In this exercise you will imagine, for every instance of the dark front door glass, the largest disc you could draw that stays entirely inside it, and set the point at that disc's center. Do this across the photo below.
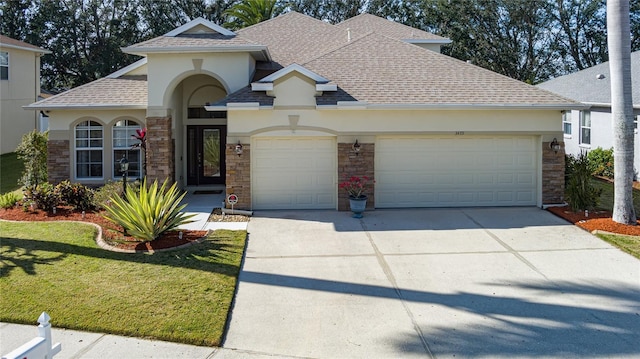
(205, 155)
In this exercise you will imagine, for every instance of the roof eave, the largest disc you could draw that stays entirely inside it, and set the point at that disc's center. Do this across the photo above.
(38, 50)
(428, 41)
(261, 51)
(452, 106)
(36, 106)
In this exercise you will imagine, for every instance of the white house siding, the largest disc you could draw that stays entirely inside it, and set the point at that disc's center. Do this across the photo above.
(601, 134)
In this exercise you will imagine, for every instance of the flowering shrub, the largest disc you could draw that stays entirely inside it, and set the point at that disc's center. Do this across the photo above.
(355, 186)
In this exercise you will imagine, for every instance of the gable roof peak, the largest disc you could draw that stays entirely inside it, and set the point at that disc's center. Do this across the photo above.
(199, 22)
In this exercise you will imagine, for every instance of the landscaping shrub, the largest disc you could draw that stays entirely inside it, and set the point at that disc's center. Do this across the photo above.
(102, 196)
(8, 200)
(44, 196)
(77, 195)
(580, 192)
(601, 162)
(150, 212)
(33, 152)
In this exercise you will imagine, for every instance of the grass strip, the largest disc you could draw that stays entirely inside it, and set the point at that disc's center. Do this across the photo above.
(629, 244)
(181, 296)
(10, 172)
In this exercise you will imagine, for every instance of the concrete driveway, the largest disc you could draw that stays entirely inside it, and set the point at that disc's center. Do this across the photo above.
(494, 282)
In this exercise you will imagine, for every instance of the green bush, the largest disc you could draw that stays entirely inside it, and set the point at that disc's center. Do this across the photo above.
(580, 193)
(102, 196)
(44, 196)
(8, 200)
(33, 152)
(149, 213)
(601, 162)
(77, 195)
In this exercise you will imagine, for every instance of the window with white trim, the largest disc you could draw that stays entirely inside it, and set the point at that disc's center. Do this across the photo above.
(4, 65)
(88, 144)
(566, 122)
(122, 142)
(585, 127)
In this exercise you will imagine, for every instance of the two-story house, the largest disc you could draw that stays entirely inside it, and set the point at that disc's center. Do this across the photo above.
(19, 86)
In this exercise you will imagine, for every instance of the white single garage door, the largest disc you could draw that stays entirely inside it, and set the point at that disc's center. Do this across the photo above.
(293, 172)
(456, 171)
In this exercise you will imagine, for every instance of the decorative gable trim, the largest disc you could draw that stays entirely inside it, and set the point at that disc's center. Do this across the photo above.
(199, 21)
(297, 68)
(127, 69)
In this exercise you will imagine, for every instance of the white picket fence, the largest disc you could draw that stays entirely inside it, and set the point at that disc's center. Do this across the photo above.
(39, 347)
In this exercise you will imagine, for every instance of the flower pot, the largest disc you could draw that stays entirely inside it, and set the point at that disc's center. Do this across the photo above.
(358, 205)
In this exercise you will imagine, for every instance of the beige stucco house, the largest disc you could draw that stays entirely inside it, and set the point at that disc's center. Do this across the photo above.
(271, 113)
(19, 86)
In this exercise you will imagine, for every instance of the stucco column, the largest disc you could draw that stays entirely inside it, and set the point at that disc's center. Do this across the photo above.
(160, 153)
(238, 180)
(552, 174)
(358, 164)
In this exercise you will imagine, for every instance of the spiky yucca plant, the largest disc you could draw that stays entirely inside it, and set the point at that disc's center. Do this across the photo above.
(149, 213)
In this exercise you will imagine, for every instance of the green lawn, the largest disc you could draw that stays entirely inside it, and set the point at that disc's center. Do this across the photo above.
(181, 296)
(606, 199)
(629, 244)
(10, 171)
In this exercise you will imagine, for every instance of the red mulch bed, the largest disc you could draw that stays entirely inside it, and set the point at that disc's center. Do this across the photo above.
(111, 233)
(599, 220)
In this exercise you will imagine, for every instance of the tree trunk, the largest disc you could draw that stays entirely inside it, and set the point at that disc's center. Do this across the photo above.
(618, 35)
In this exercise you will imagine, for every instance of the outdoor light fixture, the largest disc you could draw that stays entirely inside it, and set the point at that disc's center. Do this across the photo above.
(124, 168)
(239, 148)
(356, 147)
(554, 145)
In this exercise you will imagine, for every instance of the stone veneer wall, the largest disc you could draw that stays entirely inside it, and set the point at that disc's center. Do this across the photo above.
(58, 160)
(350, 164)
(238, 179)
(160, 154)
(552, 174)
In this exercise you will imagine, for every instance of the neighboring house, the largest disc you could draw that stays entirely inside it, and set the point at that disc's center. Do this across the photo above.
(273, 112)
(19, 86)
(591, 127)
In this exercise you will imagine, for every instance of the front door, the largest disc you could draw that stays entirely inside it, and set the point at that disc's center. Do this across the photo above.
(206, 155)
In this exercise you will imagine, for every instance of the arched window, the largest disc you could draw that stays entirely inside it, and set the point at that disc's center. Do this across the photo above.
(89, 145)
(122, 142)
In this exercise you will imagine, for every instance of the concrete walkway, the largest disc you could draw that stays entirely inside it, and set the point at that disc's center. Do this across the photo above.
(201, 205)
(466, 283)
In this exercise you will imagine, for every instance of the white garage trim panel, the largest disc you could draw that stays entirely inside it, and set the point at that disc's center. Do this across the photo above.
(456, 171)
(294, 172)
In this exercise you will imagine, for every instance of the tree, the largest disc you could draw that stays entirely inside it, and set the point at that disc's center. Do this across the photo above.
(33, 151)
(251, 12)
(583, 38)
(618, 36)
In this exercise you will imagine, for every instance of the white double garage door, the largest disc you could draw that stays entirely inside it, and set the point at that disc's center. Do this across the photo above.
(420, 171)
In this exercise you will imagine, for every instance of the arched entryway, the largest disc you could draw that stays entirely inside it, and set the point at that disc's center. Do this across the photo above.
(200, 135)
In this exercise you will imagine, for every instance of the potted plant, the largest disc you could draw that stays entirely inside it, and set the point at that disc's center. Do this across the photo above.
(355, 188)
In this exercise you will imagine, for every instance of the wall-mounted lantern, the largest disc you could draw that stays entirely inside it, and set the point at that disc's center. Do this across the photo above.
(124, 168)
(239, 149)
(356, 147)
(554, 145)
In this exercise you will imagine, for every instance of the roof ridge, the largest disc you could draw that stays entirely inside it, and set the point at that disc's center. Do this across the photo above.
(289, 13)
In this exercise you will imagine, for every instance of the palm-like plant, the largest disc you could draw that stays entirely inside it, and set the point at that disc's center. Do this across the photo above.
(149, 213)
(251, 12)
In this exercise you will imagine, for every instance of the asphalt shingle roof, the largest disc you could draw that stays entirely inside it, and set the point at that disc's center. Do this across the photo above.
(190, 41)
(366, 23)
(5, 40)
(125, 91)
(584, 85)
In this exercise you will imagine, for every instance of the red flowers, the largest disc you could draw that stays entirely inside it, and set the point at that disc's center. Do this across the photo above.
(141, 135)
(355, 186)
